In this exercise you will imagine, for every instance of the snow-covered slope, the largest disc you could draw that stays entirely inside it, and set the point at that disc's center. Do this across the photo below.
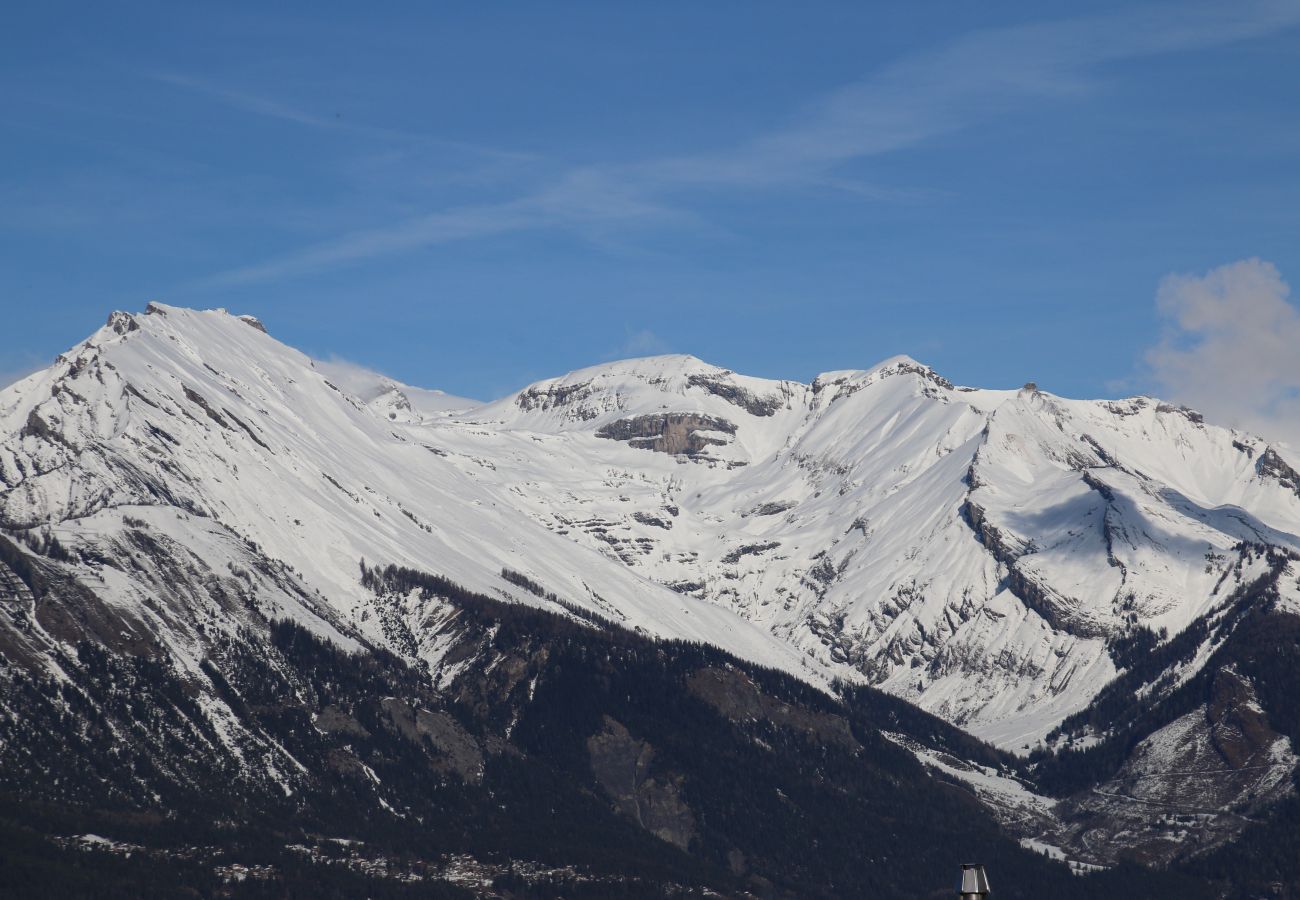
(975, 551)
(207, 416)
(978, 552)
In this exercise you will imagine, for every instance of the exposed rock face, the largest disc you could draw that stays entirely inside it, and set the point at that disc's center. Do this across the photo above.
(736, 555)
(674, 433)
(456, 745)
(735, 695)
(1190, 786)
(1270, 465)
(622, 764)
(646, 518)
(736, 395)
(334, 720)
(122, 323)
(1186, 412)
(200, 401)
(458, 749)
(553, 396)
(774, 508)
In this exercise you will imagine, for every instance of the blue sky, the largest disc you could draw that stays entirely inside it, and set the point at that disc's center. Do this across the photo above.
(473, 196)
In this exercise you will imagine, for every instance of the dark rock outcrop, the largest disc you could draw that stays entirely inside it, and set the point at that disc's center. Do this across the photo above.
(458, 751)
(739, 698)
(622, 765)
(736, 395)
(553, 396)
(675, 433)
(1271, 465)
(735, 556)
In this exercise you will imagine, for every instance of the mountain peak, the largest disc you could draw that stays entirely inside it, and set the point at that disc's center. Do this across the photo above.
(661, 366)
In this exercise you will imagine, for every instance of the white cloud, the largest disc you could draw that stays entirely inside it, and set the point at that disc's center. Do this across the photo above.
(1231, 348)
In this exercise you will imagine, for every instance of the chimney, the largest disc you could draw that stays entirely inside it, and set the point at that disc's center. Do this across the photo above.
(974, 884)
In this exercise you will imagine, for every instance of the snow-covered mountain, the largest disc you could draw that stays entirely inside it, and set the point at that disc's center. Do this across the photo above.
(980, 553)
(191, 513)
(975, 551)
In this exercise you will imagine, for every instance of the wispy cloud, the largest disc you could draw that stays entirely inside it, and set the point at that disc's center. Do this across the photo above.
(572, 203)
(641, 342)
(1229, 348)
(435, 228)
(272, 108)
(982, 75)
